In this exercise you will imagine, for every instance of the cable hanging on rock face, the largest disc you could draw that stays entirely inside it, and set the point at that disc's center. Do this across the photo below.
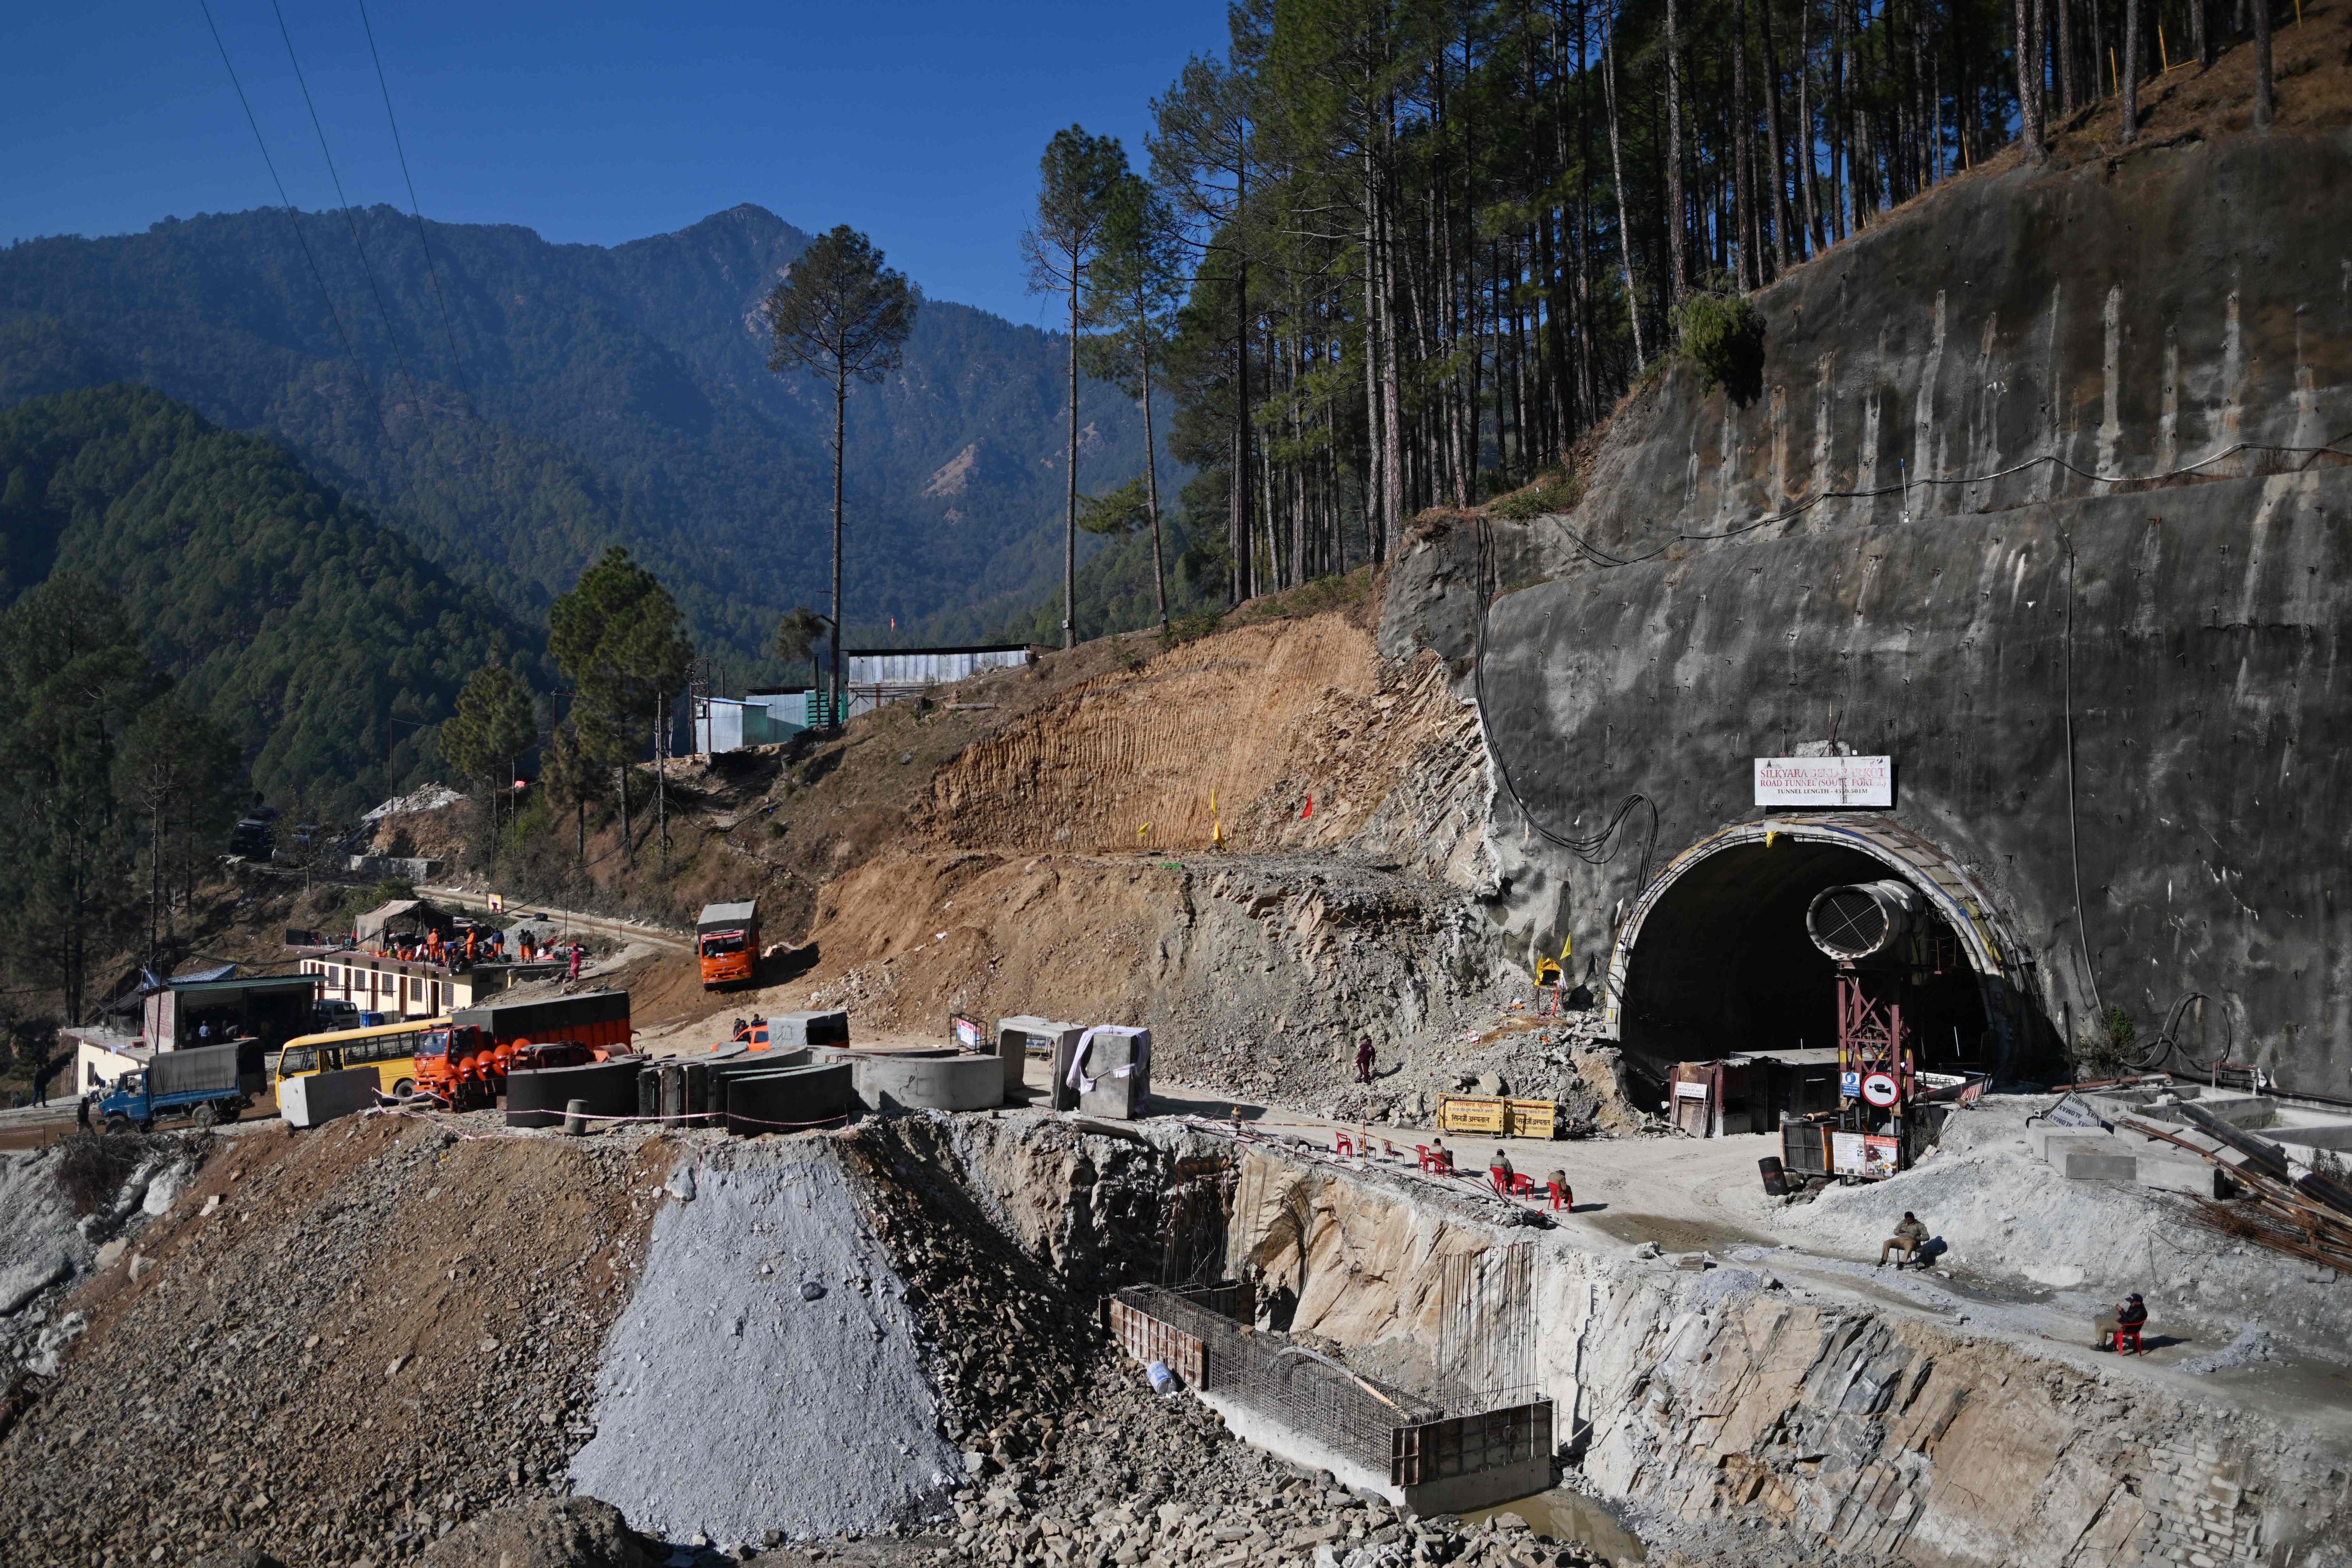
(294, 220)
(1594, 849)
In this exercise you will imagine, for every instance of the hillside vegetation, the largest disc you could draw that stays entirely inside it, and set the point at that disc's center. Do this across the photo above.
(289, 616)
(583, 395)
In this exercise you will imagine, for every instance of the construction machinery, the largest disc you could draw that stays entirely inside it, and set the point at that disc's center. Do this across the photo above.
(727, 940)
(483, 1044)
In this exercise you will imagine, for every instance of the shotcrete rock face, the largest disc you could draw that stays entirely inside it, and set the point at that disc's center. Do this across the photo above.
(732, 1399)
(2034, 502)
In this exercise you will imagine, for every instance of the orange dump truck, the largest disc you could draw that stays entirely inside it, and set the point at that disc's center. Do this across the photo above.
(727, 938)
(482, 1044)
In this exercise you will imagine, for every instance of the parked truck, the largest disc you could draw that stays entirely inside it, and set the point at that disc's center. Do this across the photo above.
(727, 938)
(200, 1082)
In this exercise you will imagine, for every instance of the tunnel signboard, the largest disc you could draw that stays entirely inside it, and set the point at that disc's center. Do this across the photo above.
(1825, 781)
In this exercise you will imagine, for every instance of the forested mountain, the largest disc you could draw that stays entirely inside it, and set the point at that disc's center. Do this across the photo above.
(306, 629)
(515, 405)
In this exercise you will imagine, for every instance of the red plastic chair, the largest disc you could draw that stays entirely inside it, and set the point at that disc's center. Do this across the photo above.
(1346, 1146)
(1562, 1197)
(1522, 1185)
(2127, 1339)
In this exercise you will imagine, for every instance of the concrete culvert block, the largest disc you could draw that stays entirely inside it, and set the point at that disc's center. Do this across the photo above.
(2085, 1167)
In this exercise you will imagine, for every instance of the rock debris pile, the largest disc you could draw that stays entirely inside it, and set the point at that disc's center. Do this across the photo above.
(348, 1342)
(1129, 1477)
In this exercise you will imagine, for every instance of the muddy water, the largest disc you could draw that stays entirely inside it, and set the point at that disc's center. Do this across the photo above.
(1675, 1233)
(1571, 1516)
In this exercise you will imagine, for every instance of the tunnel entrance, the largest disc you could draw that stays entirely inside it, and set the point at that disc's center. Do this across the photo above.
(1721, 963)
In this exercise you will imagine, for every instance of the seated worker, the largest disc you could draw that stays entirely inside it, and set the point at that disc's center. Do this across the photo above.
(742, 1032)
(2132, 1315)
(1499, 1167)
(1907, 1239)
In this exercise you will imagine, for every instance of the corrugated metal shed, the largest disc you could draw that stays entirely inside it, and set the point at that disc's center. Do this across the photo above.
(930, 666)
(879, 675)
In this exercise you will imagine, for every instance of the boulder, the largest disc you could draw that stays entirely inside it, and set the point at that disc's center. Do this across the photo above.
(547, 1532)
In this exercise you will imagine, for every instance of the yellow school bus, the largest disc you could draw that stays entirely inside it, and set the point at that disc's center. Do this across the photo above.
(392, 1049)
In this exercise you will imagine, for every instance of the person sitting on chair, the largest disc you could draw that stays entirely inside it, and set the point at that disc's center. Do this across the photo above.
(1908, 1238)
(2132, 1316)
(1499, 1167)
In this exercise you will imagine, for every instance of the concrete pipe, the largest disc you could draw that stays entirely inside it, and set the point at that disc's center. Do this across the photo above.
(1862, 920)
(538, 1097)
(922, 1079)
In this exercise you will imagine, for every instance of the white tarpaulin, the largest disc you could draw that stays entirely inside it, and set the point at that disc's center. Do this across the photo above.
(1825, 781)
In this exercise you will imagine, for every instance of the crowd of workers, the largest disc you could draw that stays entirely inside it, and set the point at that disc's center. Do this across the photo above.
(479, 946)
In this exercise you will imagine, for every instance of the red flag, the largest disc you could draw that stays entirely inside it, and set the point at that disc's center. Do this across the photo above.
(1310, 809)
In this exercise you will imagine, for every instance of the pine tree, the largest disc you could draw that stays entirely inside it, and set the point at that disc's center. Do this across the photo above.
(843, 317)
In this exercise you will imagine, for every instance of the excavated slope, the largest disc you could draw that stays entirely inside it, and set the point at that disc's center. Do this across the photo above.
(1754, 1422)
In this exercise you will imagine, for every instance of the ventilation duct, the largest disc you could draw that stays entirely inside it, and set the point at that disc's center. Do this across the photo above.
(1862, 920)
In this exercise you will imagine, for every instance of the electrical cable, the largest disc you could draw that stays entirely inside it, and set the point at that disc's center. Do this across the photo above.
(457, 361)
(293, 220)
(2073, 832)
(2168, 1039)
(382, 313)
(1593, 849)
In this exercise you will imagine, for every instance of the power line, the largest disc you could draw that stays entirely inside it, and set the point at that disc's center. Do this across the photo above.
(457, 361)
(382, 313)
(294, 221)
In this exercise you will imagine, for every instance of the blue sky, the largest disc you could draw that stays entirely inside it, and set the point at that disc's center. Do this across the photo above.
(918, 122)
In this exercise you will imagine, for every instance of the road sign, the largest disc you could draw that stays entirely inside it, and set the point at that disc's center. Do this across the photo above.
(1880, 1090)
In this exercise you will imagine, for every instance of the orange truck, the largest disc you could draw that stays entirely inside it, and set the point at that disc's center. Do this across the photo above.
(727, 938)
(469, 1068)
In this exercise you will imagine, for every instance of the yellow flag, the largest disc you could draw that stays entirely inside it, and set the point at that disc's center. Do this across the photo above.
(1142, 833)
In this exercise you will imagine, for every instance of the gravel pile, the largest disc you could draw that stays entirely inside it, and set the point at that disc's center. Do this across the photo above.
(2005, 1214)
(338, 1346)
(766, 1376)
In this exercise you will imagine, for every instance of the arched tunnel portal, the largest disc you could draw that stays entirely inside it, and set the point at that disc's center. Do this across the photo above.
(1713, 960)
